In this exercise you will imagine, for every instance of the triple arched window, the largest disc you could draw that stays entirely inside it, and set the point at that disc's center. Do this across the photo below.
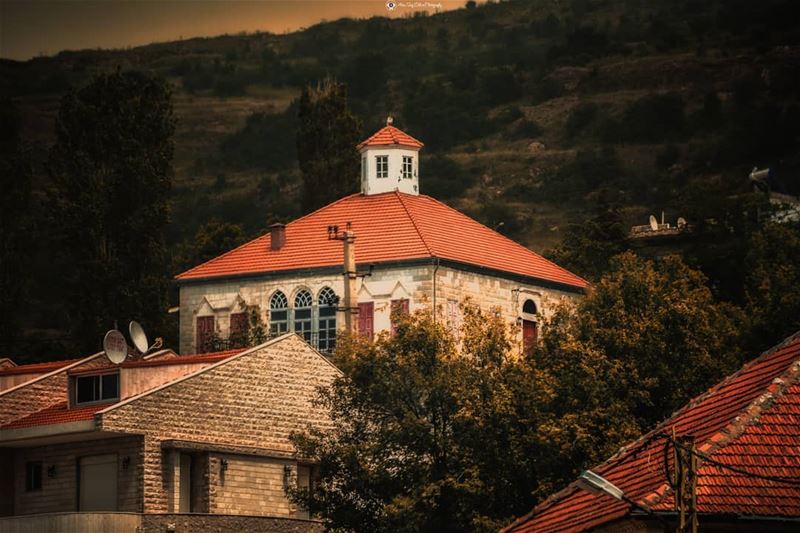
(314, 321)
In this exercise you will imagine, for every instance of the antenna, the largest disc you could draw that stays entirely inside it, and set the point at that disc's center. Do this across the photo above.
(138, 337)
(653, 223)
(115, 346)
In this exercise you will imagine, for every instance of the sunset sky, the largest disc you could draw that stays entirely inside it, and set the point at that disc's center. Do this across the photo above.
(30, 28)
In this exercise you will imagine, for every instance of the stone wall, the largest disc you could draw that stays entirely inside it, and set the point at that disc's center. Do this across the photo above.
(194, 523)
(225, 297)
(385, 284)
(255, 400)
(59, 493)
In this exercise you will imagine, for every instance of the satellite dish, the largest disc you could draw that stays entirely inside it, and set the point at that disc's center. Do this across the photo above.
(681, 222)
(138, 337)
(653, 223)
(115, 346)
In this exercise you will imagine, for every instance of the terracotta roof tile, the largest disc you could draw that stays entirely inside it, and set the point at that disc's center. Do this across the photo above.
(37, 368)
(388, 227)
(59, 413)
(751, 421)
(388, 136)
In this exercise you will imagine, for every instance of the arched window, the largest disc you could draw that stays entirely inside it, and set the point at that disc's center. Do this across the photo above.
(327, 319)
(302, 314)
(530, 329)
(278, 314)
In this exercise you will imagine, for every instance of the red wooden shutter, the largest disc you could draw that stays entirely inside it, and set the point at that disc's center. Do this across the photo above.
(205, 331)
(366, 312)
(529, 334)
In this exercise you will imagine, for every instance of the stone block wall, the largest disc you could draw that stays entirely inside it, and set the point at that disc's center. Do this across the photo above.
(197, 523)
(255, 400)
(60, 492)
(221, 298)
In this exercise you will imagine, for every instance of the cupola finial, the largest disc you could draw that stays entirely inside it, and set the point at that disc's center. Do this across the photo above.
(389, 120)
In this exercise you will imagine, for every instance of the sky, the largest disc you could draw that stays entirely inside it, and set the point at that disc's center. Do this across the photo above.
(30, 28)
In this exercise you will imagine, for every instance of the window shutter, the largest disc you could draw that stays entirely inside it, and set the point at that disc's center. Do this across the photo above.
(205, 331)
(529, 334)
(239, 326)
(366, 312)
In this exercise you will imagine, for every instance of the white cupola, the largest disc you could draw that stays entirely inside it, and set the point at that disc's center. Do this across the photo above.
(390, 162)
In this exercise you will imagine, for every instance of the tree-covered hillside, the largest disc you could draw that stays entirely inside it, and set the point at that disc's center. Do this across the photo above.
(535, 115)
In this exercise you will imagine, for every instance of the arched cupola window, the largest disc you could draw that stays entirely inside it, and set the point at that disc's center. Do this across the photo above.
(302, 314)
(278, 314)
(327, 319)
(530, 327)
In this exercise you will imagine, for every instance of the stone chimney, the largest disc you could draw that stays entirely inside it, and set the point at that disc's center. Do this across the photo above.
(277, 236)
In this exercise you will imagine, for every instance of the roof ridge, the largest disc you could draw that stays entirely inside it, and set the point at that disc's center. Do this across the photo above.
(414, 223)
(342, 199)
(654, 497)
(512, 241)
(739, 424)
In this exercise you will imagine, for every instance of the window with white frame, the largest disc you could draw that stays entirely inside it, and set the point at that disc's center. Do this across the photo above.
(328, 300)
(278, 314)
(302, 314)
(408, 163)
(382, 166)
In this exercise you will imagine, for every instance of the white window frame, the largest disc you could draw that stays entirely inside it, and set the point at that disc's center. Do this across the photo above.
(408, 167)
(381, 166)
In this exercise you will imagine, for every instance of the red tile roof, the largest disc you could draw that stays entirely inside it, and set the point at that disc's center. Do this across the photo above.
(388, 136)
(389, 227)
(37, 368)
(59, 413)
(751, 421)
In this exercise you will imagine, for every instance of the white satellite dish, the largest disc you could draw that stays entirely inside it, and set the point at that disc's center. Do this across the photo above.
(681, 222)
(115, 346)
(653, 223)
(138, 337)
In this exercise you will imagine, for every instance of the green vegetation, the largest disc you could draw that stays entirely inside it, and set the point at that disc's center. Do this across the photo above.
(432, 435)
(669, 105)
(112, 169)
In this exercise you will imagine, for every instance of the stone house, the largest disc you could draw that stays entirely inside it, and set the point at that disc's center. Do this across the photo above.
(744, 437)
(411, 250)
(198, 442)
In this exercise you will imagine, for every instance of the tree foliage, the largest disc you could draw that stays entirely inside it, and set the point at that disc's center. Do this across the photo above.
(16, 224)
(112, 169)
(326, 144)
(214, 238)
(434, 434)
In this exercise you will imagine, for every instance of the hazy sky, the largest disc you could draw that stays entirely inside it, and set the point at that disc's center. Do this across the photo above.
(34, 27)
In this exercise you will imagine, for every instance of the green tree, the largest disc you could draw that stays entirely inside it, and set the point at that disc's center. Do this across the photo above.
(412, 419)
(772, 284)
(112, 167)
(661, 323)
(16, 225)
(587, 248)
(212, 239)
(326, 144)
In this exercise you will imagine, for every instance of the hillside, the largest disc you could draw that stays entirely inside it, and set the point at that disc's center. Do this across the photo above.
(528, 109)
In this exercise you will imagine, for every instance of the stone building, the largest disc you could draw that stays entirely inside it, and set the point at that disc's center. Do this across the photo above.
(412, 251)
(201, 442)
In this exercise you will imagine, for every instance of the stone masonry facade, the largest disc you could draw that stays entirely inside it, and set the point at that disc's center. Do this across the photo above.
(59, 492)
(254, 400)
(453, 286)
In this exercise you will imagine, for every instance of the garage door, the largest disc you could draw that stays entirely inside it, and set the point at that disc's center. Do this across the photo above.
(98, 483)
